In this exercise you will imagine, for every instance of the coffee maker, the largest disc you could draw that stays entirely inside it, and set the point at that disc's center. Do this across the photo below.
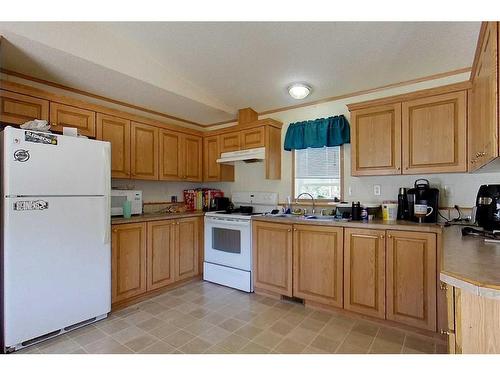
(422, 193)
(488, 207)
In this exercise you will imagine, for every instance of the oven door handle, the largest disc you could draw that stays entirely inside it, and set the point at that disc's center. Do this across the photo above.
(234, 222)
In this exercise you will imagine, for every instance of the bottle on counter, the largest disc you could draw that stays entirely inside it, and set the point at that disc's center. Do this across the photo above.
(356, 211)
(403, 213)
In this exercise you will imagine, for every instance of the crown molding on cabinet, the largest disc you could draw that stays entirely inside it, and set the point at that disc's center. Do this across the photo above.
(411, 95)
(95, 96)
(480, 38)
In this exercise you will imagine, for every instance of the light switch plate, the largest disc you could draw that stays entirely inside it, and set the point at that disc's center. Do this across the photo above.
(376, 190)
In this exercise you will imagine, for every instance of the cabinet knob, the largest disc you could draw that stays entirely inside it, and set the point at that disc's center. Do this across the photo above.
(53, 123)
(115, 230)
(177, 223)
(295, 229)
(289, 230)
(389, 236)
(398, 168)
(381, 236)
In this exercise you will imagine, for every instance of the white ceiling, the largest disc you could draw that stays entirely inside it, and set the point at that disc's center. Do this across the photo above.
(204, 72)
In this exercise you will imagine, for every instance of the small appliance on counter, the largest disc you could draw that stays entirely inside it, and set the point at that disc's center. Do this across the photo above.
(118, 197)
(219, 204)
(488, 207)
(403, 212)
(423, 196)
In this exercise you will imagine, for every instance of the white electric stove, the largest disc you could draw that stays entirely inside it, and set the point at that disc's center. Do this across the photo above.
(228, 240)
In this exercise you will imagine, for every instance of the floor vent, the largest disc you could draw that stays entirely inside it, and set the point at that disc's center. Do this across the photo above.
(78, 325)
(292, 300)
(41, 338)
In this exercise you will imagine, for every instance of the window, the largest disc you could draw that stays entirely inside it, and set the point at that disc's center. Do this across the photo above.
(318, 172)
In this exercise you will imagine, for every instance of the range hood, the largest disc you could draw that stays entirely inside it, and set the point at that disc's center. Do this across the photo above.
(249, 156)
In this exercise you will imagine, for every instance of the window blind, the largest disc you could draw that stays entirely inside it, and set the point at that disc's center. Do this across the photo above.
(318, 163)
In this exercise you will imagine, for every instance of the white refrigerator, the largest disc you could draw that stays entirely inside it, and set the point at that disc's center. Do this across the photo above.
(55, 241)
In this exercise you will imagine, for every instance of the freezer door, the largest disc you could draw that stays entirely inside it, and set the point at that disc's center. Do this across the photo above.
(57, 260)
(51, 164)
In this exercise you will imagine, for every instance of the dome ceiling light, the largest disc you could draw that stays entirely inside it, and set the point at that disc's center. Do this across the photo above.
(299, 90)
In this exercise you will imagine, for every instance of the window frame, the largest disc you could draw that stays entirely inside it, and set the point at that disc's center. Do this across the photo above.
(319, 201)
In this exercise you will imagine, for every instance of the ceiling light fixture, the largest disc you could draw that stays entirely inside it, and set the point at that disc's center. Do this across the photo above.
(299, 90)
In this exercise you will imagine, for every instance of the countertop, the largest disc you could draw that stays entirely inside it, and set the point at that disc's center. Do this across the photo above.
(372, 224)
(154, 217)
(470, 263)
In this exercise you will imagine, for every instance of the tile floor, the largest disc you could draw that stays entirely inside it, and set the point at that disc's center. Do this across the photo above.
(206, 318)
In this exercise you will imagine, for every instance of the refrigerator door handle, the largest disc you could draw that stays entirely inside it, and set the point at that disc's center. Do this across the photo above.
(107, 180)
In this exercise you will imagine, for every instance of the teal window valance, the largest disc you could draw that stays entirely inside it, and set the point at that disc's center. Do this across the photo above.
(323, 132)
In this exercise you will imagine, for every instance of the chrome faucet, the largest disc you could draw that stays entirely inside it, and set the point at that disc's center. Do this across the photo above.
(312, 198)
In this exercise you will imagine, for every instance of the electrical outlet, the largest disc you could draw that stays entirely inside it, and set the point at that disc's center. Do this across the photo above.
(349, 191)
(376, 190)
(448, 190)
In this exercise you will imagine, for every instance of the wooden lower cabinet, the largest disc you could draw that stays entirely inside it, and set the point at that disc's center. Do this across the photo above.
(149, 256)
(272, 257)
(411, 271)
(187, 248)
(128, 261)
(364, 271)
(160, 253)
(318, 263)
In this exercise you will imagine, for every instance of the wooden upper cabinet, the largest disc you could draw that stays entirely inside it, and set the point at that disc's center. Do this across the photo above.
(230, 142)
(144, 151)
(62, 115)
(411, 278)
(483, 107)
(272, 257)
(128, 262)
(435, 134)
(211, 169)
(170, 155)
(17, 109)
(187, 247)
(160, 253)
(252, 138)
(376, 140)
(364, 271)
(192, 160)
(318, 264)
(116, 131)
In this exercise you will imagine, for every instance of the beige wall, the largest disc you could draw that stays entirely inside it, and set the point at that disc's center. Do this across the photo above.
(463, 186)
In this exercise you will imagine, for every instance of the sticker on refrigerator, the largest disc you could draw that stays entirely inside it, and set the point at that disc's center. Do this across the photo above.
(21, 155)
(46, 139)
(31, 205)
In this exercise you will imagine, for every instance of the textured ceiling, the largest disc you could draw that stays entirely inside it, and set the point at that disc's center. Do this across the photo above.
(204, 72)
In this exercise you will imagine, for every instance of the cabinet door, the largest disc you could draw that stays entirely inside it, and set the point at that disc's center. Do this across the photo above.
(192, 158)
(364, 271)
(187, 248)
(144, 140)
(170, 155)
(318, 264)
(17, 108)
(411, 278)
(116, 131)
(230, 142)
(435, 134)
(272, 257)
(483, 117)
(376, 141)
(251, 138)
(211, 169)
(128, 265)
(160, 253)
(62, 115)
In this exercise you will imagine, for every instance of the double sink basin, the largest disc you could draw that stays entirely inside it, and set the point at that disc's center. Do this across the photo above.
(311, 217)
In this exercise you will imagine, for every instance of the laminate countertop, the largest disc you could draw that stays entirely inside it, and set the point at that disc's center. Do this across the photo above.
(372, 224)
(470, 263)
(154, 217)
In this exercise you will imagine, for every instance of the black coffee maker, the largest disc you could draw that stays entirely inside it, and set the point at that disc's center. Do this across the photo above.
(422, 193)
(488, 207)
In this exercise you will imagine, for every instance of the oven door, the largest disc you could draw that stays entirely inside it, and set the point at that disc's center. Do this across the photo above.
(228, 242)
